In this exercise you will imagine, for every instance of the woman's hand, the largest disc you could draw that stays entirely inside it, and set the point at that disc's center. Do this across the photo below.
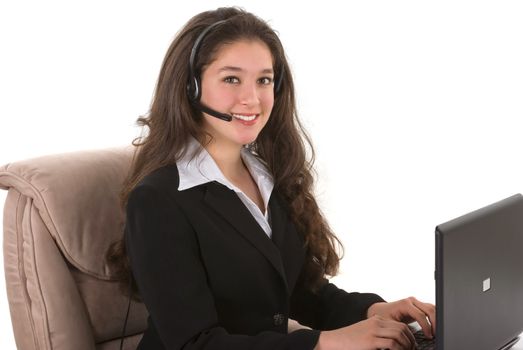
(408, 310)
(373, 333)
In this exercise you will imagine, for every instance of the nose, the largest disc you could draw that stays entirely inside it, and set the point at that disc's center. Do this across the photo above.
(248, 94)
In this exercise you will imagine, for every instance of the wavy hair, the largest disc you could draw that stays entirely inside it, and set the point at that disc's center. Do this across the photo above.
(282, 144)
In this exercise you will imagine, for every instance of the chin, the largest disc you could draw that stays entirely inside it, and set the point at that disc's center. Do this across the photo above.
(246, 139)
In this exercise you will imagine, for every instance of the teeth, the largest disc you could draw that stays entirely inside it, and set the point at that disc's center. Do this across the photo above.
(245, 117)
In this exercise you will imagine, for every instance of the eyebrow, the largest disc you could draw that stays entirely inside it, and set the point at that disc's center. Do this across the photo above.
(238, 69)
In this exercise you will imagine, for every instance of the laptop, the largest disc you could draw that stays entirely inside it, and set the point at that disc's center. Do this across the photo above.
(479, 278)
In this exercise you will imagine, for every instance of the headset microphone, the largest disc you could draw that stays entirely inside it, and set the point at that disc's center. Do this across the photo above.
(212, 112)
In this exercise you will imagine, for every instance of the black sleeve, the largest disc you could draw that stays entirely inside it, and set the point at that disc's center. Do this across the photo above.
(331, 307)
(164, 256)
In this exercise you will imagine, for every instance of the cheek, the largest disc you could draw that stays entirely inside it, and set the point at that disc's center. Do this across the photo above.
(211, 123)
(267, 99)
(215, 96)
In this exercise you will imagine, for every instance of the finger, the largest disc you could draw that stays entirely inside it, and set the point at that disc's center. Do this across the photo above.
(421, 318)
(409, 334)
(398, 331)
(430, 311)
(389, 344)
(401, 327)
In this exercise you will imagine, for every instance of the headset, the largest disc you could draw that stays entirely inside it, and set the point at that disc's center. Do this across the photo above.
(194, 90)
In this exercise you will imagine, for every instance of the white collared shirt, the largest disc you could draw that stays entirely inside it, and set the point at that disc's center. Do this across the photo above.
(203, 169)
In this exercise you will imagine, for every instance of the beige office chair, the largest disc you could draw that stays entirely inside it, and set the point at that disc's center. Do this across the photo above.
(60, 216)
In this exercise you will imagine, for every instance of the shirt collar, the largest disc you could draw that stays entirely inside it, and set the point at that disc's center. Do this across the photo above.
(197, 167)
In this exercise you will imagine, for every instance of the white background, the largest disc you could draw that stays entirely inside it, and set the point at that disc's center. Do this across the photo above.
(414, 108)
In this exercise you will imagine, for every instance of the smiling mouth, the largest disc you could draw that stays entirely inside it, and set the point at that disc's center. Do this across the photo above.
(246, 118)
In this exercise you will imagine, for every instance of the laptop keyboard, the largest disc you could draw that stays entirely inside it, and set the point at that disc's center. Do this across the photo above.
(424, 343)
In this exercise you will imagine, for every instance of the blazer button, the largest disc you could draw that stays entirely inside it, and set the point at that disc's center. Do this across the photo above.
(278, 319)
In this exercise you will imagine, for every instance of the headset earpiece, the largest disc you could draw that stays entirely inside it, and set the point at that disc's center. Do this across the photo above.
(193, 85)
(193, 89)
(279, 80)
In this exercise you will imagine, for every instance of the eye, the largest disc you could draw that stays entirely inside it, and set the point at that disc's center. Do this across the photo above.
(265, 80)
(231, 80)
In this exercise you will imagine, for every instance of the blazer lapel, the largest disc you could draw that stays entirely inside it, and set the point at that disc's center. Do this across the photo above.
(287, 239)
(226, 203)
(278, 222)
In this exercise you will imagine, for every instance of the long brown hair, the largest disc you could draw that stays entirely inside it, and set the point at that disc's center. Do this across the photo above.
(282, 144)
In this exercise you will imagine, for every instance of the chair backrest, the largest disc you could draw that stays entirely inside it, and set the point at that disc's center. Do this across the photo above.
(61, 214)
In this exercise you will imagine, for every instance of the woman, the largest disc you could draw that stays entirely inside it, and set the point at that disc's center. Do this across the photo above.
(224, 238)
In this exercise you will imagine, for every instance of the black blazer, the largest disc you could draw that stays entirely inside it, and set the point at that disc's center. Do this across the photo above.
(212, 279)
